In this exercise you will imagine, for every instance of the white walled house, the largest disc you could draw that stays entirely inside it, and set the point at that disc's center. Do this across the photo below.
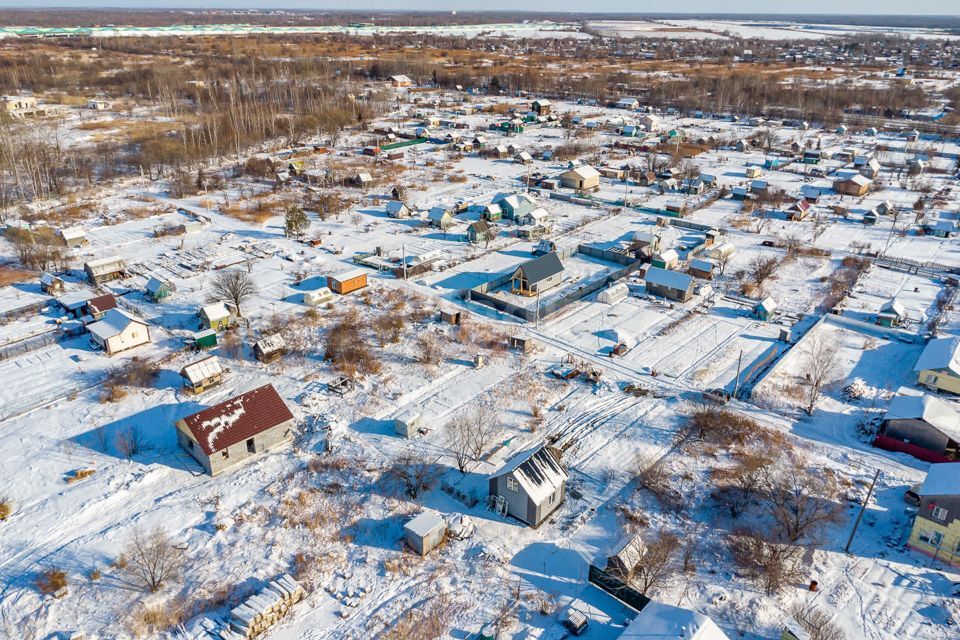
(118, 331)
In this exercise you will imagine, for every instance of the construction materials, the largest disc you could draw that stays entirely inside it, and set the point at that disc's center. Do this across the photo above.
(262, 610)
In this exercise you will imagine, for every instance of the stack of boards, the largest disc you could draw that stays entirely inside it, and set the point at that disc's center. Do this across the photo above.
(262, 610)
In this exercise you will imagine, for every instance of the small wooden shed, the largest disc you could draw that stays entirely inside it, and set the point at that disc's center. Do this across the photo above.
(344, 283)
(270, 348)
(407, 424)
(425, 532)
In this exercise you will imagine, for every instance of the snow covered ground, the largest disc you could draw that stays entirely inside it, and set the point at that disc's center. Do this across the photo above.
(328, 508)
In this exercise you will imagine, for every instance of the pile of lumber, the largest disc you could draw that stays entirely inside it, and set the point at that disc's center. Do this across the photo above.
(262, 610)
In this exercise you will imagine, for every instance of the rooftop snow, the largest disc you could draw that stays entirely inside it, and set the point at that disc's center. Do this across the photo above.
(237, 419)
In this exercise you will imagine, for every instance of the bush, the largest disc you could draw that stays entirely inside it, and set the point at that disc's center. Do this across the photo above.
(6, 508)
(772, 565)
(51, 581)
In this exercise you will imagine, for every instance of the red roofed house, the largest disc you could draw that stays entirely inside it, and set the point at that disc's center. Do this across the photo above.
(228, 433)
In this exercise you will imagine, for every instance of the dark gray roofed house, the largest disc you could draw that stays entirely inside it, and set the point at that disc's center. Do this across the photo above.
(530, 486)
(537, 275)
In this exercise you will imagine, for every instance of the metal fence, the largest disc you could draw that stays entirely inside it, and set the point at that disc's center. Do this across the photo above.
(618, 588)
(33, 343)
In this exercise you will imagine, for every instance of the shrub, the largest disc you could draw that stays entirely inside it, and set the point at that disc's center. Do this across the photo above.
(6, 508)
(51, 581)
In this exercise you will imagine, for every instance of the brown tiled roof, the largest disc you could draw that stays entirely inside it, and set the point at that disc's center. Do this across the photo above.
(102, 303)
(238, 419)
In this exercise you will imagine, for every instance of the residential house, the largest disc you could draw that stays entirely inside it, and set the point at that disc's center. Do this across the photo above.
(658, 621)
(649, 122)
(201, 375)
(516, 205)
(702, 268)
(739, 193)
(537, 217)
(753, 172)
(237, 429)
(118, 331)
(936, 527)
(542, 107)
(870, 168)
(530, 486)
(672, 285)
(856, 185)
(348, 281)
(206, 339)
(798, 210)
(666, 259)
(396, 209)
(51, 284)
(425, 532)
(870, 217)
(922, 425)
(623, 562)
(270, 348)
(535, 276)
(98, 306)
(610, 173)
(759, 186)
(765, 309)
(885, 208)
(105, 270)
(216, 316)
(812, 156)
(523, 158)
(627, 103)
(491, 212)
(361, 180)
(583, 178)
(407, 424)
(481, 232)
(439, 217)
(940, 227)
(400, 81)
(158, 290)
(938, 366)
(73, 236)
(892, 314)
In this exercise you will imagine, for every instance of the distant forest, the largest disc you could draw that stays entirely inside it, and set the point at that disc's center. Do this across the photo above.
(162, 17)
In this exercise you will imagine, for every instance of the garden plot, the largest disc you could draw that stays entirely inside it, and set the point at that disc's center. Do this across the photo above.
(701, 348)
(917, 294)
(578, 271)
(19, 296)
(880, 366)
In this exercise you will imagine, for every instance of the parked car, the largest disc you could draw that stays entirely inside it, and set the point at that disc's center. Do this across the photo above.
(717, 395)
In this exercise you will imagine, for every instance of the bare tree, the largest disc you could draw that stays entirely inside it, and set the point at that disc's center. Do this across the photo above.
(234, 286)
(723, 261)
(458, 439)
(801, 502)
(819, 361)
(483, 424)
(761, 267)
(657, 564)
(152, 559)
(738, 488)
(414, 473)
(769, 562)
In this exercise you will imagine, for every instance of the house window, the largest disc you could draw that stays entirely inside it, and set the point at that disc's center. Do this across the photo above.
(939, 513)
(512, 484)
(551, 498)
(133, 334)
(225, 453)
(931, 378)
(936, 539)
(251, 447)
(190, 444)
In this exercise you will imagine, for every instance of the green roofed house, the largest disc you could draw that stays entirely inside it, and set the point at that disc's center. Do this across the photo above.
(206, 339)
(158, 290)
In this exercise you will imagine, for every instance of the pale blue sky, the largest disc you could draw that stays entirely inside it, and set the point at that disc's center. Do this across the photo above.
(876, 7)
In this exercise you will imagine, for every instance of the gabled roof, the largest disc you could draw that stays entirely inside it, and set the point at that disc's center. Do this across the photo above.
(911, 404)
(941, 354)
(668, 278)
(215, 311)
(113, 323)
(895, 307)
(537, 470)
(943, 479)
(541, 268)
(768, 304)
(105, 265)
(102, 303)
(395, 206)
(583, 172)
(658, 621)
(237, 419)
(438, 213)
(271, 343)
(480, 226)
(73, 233)
(155, 285)
(202, 369)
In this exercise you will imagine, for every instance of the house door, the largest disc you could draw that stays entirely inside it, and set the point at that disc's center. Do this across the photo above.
(251, 446)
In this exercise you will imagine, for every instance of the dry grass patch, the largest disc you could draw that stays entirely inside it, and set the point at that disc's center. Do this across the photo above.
(10, 275)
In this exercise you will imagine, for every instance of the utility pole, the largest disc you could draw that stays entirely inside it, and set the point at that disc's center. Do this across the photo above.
(403, 249)
(863, 508)
(736, 385)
